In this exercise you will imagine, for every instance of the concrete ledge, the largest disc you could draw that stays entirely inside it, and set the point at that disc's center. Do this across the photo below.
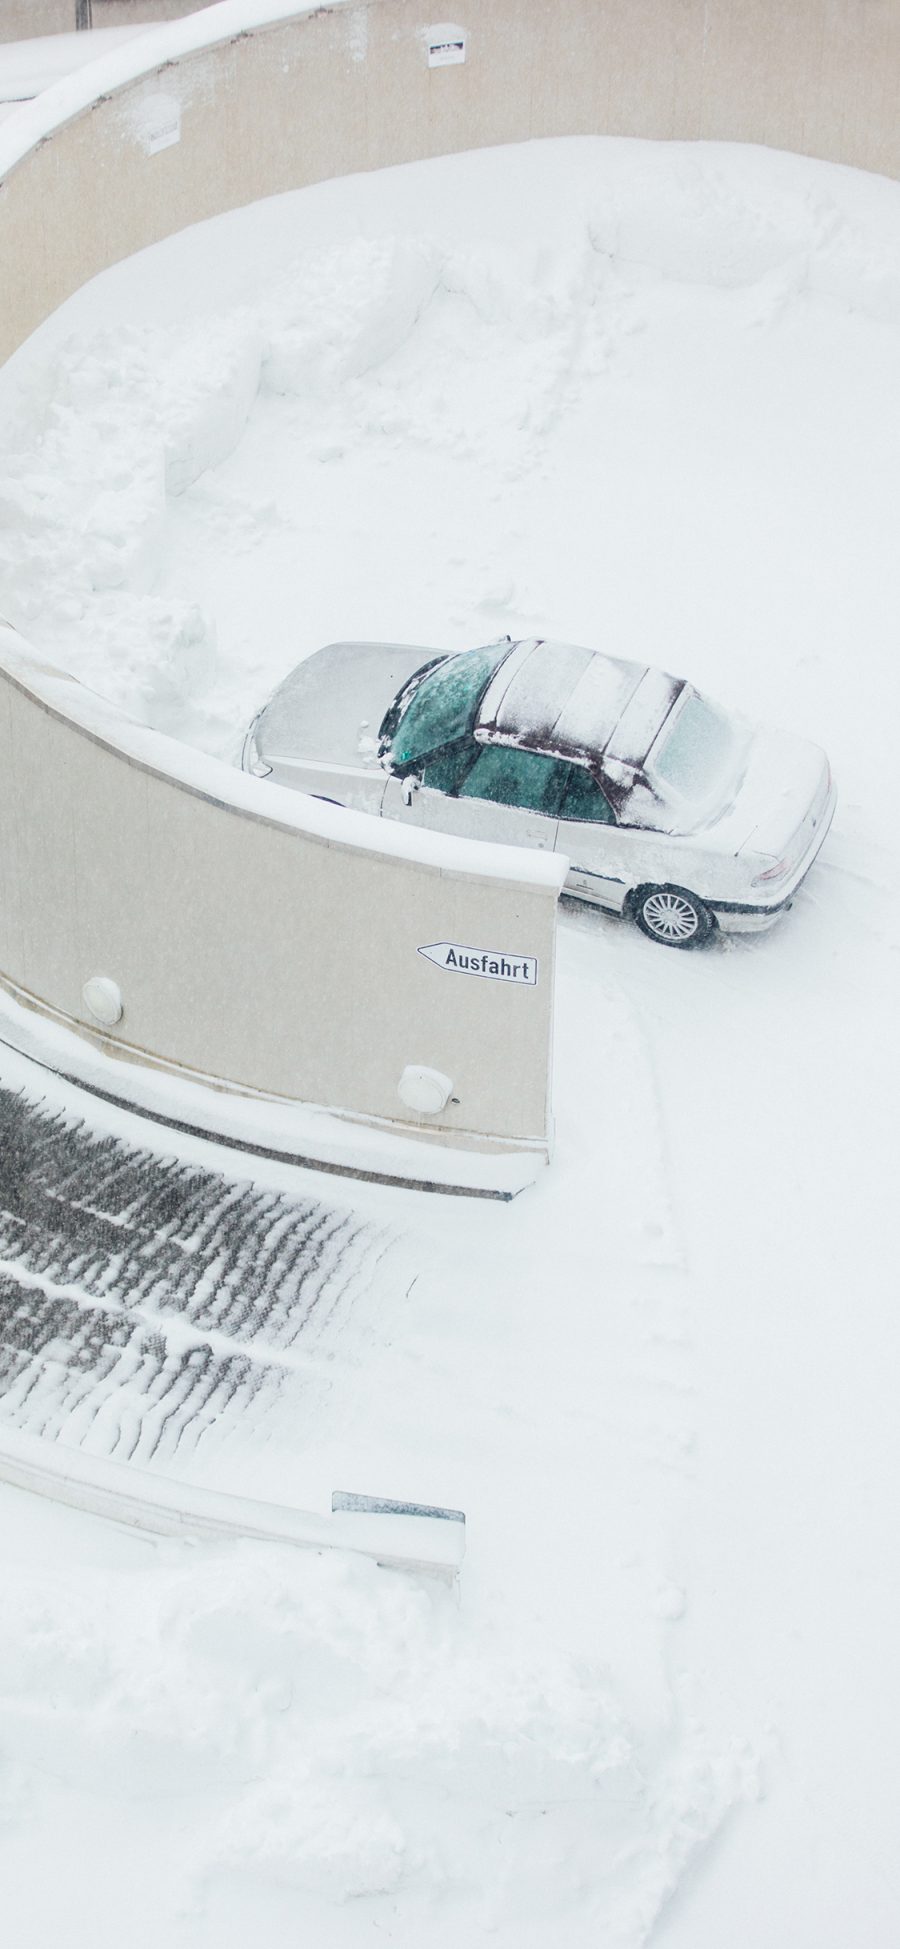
(316, 1139)
(156, 1504)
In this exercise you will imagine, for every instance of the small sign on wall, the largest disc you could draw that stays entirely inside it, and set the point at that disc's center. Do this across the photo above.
(446, 45)
(156, 120)
(489, 963)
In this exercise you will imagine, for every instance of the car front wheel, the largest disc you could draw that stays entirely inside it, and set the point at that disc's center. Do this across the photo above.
(672, 916)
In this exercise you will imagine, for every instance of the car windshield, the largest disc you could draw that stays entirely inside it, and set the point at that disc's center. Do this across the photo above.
(443, 706)
(698, 753)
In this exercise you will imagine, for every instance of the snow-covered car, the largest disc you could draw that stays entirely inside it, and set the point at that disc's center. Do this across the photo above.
(669, 809)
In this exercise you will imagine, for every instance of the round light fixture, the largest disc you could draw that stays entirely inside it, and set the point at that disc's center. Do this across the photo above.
(103, 999)
(424, 1090)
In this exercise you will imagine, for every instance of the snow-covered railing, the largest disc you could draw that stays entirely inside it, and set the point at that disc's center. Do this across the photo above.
(400, 1536)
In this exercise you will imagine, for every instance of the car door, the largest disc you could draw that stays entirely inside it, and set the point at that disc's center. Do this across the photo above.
(602, 854)
(485, 791)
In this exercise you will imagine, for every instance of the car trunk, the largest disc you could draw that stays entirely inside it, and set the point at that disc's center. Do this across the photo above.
(783, 797)
(329, 709)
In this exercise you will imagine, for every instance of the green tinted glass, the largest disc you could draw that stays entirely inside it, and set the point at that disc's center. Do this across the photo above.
(510, 777)
(444, 771)
(585, 800)
(444, 706)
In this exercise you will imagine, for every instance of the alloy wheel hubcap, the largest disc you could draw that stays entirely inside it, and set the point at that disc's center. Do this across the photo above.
(670, 916)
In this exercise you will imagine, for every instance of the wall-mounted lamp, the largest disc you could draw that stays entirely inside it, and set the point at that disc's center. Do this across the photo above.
(103, 999)
(427, 1091)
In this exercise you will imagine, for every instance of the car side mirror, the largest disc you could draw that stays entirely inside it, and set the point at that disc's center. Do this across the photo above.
(408, 786)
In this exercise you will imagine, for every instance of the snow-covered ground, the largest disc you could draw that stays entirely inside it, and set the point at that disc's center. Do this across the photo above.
(641, 397)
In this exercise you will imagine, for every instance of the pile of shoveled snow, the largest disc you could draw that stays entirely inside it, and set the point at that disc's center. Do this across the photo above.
(283, 1724)
(582, 388)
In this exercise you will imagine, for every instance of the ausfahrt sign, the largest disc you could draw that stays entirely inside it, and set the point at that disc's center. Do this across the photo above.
(489, 962)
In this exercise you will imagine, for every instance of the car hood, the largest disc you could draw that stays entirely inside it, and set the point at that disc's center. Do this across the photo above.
(783, 795)
(329, 709)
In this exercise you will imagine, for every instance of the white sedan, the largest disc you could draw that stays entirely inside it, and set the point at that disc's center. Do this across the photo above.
(669, 809)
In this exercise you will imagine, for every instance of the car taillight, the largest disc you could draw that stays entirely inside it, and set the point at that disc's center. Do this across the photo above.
(775, 872)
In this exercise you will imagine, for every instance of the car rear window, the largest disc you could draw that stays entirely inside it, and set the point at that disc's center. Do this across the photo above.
(443, 707)
(697, 751)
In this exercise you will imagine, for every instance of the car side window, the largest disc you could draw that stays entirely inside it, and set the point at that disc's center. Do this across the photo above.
(445, 770)
(584, 799)
(508, 776)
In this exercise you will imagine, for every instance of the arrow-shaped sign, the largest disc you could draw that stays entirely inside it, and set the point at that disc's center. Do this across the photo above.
(492, 964)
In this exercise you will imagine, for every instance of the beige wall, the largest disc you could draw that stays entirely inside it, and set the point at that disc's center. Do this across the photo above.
(247, 948)
(349, 88)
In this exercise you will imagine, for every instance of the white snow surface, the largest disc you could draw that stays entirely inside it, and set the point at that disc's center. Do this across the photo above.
(641, 397)
(27, 68)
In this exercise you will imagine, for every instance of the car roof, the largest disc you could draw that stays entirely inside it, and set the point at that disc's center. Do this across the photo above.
(560, 697)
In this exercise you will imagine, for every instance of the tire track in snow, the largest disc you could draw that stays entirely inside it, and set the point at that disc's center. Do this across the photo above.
(145, 1301)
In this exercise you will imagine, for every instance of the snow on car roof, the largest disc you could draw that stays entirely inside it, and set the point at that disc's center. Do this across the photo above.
(564, 698)
(644, 715)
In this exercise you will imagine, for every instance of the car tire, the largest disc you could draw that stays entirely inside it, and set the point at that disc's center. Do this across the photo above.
(672, 916)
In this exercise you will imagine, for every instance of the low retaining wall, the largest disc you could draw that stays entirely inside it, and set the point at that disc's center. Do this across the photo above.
(259, 939)
(399, 1537)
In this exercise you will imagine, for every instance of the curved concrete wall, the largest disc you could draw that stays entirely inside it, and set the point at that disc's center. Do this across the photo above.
(260, 939)
(257, 941)
(349, 88)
